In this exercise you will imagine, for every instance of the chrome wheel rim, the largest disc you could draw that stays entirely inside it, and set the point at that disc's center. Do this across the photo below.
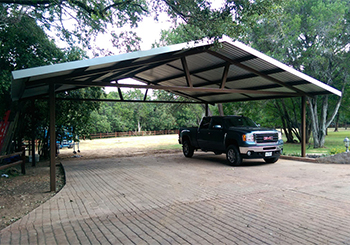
(185, 148)
(231, 156)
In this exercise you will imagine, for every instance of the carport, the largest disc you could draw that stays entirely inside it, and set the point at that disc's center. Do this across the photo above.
(202, 72)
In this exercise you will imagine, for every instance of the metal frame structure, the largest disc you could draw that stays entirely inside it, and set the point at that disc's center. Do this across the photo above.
(203, 72)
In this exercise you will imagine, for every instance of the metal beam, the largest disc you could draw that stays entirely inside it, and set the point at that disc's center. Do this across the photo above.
(247, 68)
(187, 72)
(213, 67)
(243, 77)
(132, 101)
(260, 87)
(251, 99)
(33, 133)
(187, 96)
(224, 75)
(181, 88)
(194, 72)
(52, 106)
(159, 59)
(120, 92)
(303, 126)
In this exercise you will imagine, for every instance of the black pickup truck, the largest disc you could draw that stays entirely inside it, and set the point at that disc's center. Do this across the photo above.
(237, 136)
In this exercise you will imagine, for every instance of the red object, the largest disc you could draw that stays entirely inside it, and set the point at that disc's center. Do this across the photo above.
(4, 126)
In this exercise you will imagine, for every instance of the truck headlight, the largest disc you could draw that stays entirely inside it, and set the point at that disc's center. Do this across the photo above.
(279, 135)
(248, 137)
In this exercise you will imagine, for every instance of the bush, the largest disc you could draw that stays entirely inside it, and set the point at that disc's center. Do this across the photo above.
(334, 151)
(292, 154)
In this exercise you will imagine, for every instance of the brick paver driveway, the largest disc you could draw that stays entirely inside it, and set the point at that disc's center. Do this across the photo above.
(169, 199)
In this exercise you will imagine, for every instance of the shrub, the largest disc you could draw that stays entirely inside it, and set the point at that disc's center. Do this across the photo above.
(334, 151)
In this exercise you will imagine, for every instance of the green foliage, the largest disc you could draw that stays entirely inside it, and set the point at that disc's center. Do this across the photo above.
(312, 36)
(24, 45)
(333, 145)
(120, 116)
(86, 18)
(258, 111)
(76, 114)
(198, 19)
(79, 22)
(334, 151)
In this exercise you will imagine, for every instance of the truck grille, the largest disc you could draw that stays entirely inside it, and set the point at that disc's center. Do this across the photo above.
(266, 137)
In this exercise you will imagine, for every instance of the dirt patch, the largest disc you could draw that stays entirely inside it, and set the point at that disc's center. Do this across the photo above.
(342, 158)
(20, 194)
(123, 147)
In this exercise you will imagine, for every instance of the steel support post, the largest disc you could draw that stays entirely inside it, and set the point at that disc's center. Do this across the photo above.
(206, 110)
(303, 126)
(52, 106)
(33, 134)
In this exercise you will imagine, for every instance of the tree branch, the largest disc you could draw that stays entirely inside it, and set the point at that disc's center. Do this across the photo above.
(78, 3)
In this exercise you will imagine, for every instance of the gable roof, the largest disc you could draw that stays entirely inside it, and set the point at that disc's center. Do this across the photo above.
(200, 71)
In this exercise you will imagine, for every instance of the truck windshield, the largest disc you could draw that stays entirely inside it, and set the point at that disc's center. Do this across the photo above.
(240, 122)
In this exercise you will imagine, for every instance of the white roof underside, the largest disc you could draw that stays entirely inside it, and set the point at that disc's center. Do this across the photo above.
(195, 71)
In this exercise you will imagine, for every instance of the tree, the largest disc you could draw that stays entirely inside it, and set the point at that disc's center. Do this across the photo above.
(74, 21)
(178, 115)
(24, 45)
(313, 37)
(145, 116)
(199, 19)
(78, 22)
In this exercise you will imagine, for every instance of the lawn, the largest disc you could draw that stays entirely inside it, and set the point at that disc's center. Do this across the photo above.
(334, 144)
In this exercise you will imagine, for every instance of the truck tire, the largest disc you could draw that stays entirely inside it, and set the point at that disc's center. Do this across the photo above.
(187, 148)
(271, 160)
(233, 157)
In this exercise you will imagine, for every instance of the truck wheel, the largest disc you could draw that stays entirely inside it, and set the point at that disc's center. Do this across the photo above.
(232, 155)
(187, 149)
(271, 160)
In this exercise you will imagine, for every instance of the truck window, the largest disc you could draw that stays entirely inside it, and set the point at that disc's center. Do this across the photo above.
(215, 122)
(239, 122)
(205, 123)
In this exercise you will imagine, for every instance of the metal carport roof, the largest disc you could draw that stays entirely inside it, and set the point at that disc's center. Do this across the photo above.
(204, 72)
(200, 71)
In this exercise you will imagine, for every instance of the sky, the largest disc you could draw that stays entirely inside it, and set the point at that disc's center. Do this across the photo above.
(148, 30)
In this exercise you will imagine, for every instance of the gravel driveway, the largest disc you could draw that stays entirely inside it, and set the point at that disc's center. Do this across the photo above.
(170, 199)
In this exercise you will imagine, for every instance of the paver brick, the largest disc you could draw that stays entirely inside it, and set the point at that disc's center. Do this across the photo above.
(175, 200)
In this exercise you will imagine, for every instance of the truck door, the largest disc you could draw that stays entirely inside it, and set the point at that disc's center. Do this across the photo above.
(216, 133)
(203, 136)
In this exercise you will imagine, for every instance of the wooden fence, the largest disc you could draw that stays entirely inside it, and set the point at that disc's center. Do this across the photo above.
(132, 133)
(22, 161)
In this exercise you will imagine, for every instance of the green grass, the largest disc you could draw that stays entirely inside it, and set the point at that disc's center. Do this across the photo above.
(334, 144)
(176, 146)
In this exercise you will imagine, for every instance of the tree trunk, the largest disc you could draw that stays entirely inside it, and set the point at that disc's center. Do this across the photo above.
(283, 112)
(319, 129)
(314, 120)
(139, 127)
(336, 123)
(221, 109)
